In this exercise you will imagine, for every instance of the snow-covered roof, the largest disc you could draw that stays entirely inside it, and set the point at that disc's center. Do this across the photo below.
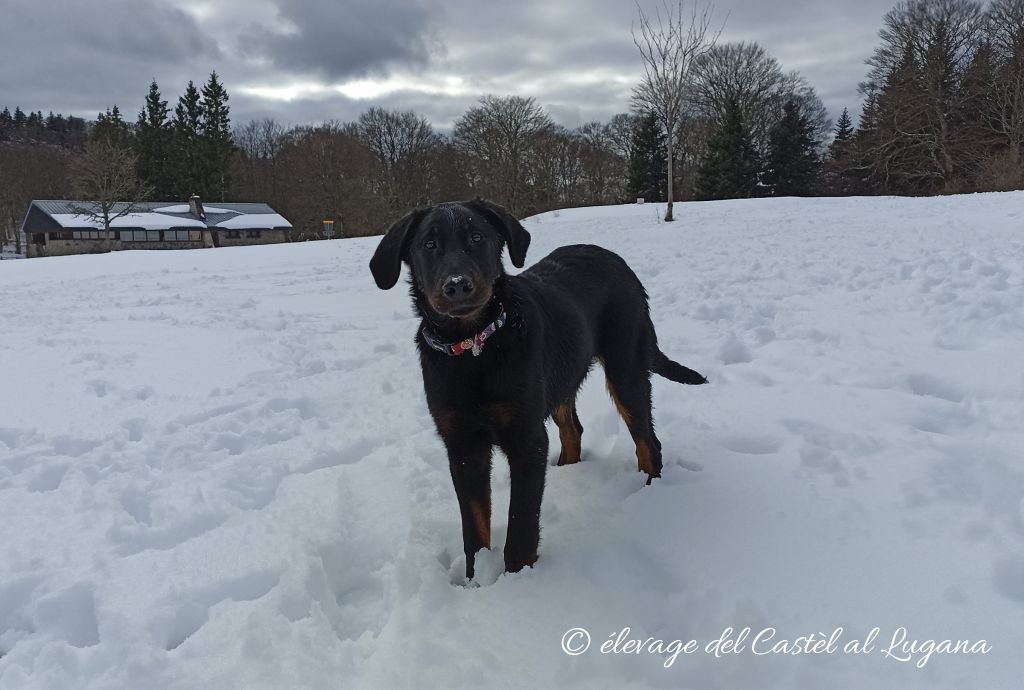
(148, 221)
(161, 215)
(255, 220)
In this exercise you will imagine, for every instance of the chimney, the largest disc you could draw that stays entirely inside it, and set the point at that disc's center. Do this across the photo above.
(195, 205)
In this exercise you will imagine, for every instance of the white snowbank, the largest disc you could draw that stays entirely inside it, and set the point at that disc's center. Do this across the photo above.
(217, 468)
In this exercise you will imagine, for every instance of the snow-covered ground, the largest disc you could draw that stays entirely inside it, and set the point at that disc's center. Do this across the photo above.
(217, 469)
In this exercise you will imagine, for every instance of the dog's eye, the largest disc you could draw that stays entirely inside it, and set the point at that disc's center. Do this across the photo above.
(476, 237)
(430, 244)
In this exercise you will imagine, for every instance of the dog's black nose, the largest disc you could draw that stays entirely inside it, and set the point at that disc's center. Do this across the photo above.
(457, 286)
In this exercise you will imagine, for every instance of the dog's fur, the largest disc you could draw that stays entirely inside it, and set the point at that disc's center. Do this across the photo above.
(579, 304)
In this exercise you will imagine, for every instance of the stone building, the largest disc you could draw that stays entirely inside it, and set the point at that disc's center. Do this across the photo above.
(57, 228)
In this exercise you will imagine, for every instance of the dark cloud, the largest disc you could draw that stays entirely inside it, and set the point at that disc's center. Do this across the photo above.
(350, 38)
(85, 56)
(285, 58)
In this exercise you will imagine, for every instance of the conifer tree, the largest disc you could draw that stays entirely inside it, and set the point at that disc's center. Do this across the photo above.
(111, 127)
(187, 128)
(153, 145)
(843, 131)
(647, 168)
(216, 147)
(792, 163)
(729, 171)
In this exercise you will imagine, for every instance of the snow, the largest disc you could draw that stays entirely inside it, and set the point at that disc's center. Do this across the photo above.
(146, 220)
(184, 208)
(217, 468)
(255, 220)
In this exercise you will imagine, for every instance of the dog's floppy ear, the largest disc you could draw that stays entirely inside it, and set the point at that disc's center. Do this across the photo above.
(515, 235)
(386, 264)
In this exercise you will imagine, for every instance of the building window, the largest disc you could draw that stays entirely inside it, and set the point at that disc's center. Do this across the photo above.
(39, 238)
(87, 234)
(252, 233)
(140, 235)
(182, 235)
(234, 234)
(63, 235)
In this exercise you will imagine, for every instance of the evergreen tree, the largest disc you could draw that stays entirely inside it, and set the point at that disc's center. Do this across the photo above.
(19, 117)
(111, 127)
(647, 169)
(729, 170)
(153, 145)
(900, 149)
(792, 163)
(187, 128)
(843, 131)
(217, 148)
(975, 118)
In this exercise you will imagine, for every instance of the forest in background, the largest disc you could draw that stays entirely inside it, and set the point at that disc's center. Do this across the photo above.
(943, 112)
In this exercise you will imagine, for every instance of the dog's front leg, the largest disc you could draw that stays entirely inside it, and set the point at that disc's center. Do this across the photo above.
(469, 459)
(527, 458)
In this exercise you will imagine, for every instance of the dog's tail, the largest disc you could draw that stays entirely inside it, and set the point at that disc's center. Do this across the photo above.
(674, 371)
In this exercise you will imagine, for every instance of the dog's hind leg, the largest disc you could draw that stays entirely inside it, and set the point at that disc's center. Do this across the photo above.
(632, 396)
(570, 432)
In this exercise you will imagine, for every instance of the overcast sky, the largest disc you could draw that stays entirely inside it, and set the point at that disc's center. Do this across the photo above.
(302, 61)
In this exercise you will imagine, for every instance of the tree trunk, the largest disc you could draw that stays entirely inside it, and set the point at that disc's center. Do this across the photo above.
(668, 212)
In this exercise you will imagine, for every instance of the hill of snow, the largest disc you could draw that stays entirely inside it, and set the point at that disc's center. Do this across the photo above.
(217, 468)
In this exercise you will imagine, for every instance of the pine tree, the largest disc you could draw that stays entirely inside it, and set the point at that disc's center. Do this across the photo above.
(19, 117)
(217, 147)
(792, 163)
(843, 133)
(6, 124)
(153, 145)
(187, 128)
(729, 170)
(111, 127)
(900, 149)
(647, 169)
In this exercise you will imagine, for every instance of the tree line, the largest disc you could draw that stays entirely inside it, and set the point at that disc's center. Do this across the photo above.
(943, 104)
(943, 111)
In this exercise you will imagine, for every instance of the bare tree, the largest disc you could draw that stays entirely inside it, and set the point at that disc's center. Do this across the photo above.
(498, 134)
(669, 44)
(105, 181)
(917, 73)
(259, 144)
(29, 171)
(1006, 24)
(327, 174)
(746, 76)
(403, 144)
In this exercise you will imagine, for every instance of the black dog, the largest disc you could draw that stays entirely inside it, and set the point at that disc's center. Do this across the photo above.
(500, 354)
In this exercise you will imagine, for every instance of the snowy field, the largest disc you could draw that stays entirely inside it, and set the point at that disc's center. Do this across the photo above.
(217, 469)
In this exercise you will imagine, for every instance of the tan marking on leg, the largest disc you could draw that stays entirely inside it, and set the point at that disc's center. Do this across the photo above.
(643, 458)
(502, 413)
(481, 521)
(568, 435)
(444, 420)
(623, 412)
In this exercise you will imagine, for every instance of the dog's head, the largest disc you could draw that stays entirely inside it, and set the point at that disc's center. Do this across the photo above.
(454, 254)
